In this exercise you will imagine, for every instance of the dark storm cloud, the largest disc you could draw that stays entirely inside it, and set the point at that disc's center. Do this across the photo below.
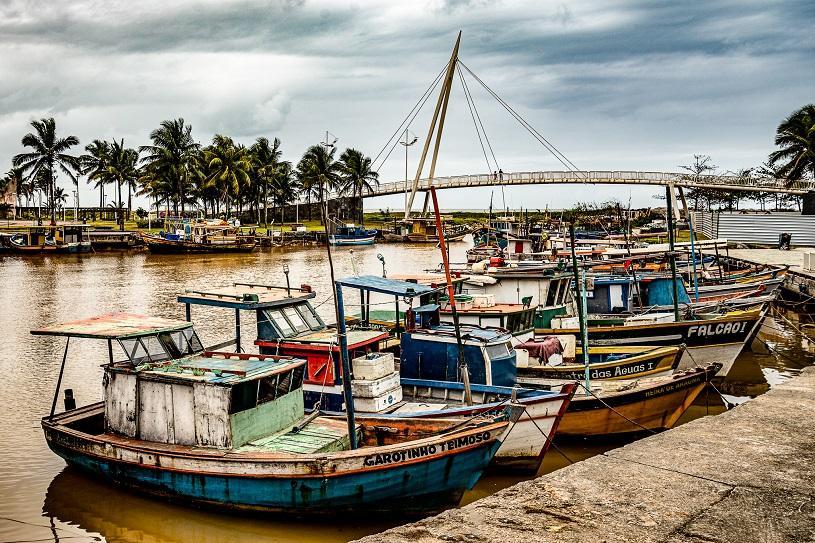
(667, 75)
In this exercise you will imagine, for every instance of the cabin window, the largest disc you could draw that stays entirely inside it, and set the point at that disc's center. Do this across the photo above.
(182, 342)
(295, 319)
(136, 351)
(309, 316)
(499, 350)
(281, 322)
(551, 296)
(244, 396)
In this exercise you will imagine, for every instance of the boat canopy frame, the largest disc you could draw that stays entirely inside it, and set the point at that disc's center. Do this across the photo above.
(121, 327)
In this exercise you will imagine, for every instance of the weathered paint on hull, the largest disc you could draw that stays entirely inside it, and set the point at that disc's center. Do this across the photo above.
(644, 365)
(655, 408)
(416, 488)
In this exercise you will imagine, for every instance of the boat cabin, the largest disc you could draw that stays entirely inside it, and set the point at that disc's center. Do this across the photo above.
(287, 324)
(168, 390)
(69, 238)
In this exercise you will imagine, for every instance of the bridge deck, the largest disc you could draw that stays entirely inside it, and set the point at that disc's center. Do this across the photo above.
(724, 182)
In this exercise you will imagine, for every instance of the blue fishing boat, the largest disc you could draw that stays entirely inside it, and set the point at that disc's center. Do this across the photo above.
(289, 325)
(230, 430)
(350, 234)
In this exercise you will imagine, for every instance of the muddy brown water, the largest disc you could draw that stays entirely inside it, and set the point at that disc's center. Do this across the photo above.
(41, 499)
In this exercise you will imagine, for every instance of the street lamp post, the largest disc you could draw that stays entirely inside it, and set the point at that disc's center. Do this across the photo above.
(407, 142)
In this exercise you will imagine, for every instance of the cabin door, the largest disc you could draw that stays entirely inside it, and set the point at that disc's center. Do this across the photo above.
(166, 413)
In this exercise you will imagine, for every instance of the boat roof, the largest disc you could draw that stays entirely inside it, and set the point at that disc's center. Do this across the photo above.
(429, 279)
(114, 326)
(384, 285)
(224, 368)
(328, 336)
(247, 296)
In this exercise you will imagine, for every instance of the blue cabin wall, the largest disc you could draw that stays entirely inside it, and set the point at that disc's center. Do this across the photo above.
(438, 361)
(660, 292)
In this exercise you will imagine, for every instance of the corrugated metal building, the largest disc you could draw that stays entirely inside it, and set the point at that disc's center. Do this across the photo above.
(757, 228)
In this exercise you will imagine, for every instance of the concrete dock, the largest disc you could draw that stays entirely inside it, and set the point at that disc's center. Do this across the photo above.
(745, 475)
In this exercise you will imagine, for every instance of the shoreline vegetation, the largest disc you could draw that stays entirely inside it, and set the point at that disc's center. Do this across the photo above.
(227, 179)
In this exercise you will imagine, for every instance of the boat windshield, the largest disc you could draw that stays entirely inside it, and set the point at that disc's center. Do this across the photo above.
(496, 351)
(293, 320)
(162, 346)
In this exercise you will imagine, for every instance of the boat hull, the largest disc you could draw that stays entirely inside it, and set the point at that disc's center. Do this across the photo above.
(526, 444)
(163, 246)
(652, 362)
(652, 404)
(338, 241)
(717, 340)
(416, 477)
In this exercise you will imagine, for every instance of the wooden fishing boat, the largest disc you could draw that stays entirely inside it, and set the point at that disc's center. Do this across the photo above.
(613, 363)
(708, 338)
(423, 230)
(351, 235)
(230, 430)
(58, 239)
(214, 236)
(288, 325)
(630, 406)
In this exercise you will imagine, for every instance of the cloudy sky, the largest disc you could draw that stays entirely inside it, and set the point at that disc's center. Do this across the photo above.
(635, 85)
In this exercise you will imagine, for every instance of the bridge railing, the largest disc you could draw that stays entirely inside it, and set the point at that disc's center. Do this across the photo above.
(602, 176)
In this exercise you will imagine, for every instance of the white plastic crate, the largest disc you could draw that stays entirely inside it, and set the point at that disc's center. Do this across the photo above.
(380, 403)
(373, 366)
(372, 388)
(483, 300)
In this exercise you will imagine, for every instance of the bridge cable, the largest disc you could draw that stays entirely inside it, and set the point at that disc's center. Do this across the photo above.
(481, 124)
(469, 95)
(408, 118)
(475, 123)
(537, 135)
(409, 121)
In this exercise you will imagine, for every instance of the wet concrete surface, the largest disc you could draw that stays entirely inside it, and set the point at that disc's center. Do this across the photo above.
(745, 475)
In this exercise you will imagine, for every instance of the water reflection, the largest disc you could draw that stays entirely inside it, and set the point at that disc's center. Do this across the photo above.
(50, 502)
(72, 499)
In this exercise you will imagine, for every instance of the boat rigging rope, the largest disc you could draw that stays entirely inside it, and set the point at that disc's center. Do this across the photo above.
(568, 164)
(603, 402)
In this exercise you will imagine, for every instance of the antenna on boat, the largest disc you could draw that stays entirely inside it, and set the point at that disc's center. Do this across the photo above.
(451, 295)
(441, 107)
(341, 337)
(580, 302)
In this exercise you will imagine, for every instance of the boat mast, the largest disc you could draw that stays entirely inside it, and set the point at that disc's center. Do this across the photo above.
(670, 195)
(339, 311)
(451, 295)
(441, 106)
(580, 302)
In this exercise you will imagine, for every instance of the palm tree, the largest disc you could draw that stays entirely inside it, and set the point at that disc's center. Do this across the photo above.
(357, 175)
(48, 152)
(318, 172)
(172, 158)
(285, 187)
(796, 137)
(230, 166)
(265, 162)
(123, 170)
(95, 165)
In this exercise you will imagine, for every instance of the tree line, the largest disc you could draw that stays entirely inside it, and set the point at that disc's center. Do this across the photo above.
(794, 160)
(178, 174)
